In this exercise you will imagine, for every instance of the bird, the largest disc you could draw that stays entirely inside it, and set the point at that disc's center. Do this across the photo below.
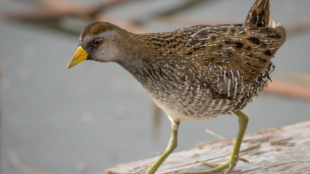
(196, 72)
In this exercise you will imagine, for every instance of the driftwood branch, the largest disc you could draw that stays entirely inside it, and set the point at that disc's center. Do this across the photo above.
(56, 9)
(288, 89)
(298, 28)
(275, 151)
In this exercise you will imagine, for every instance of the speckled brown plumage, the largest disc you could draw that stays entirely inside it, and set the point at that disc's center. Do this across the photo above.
(201, 71)
(196, 72)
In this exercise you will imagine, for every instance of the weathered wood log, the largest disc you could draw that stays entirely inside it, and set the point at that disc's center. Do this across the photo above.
(283, 150)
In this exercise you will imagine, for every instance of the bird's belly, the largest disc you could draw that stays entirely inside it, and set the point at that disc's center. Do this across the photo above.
(199, 107)
(186, 96)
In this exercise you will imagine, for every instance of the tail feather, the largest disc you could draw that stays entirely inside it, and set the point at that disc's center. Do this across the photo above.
(260, 15)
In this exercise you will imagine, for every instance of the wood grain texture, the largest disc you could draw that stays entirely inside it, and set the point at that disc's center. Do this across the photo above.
(275, 151)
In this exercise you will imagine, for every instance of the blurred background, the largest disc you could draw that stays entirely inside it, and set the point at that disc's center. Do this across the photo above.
(95, 116)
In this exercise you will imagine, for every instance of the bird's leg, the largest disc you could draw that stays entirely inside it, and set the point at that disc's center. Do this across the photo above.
(173, 142)
(234, 157)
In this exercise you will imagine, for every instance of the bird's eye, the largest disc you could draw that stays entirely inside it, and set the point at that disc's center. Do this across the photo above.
(97, 42)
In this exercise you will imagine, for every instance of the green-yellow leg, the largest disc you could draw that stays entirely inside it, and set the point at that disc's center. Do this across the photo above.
(173, 142)
(234, 157)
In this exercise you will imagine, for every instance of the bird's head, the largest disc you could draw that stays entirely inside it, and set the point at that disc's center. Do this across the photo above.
(99, 41)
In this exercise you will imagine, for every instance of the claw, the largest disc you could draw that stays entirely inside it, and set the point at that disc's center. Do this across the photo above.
(244, 160)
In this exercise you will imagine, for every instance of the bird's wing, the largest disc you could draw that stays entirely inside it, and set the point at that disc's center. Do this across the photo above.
(230, 57)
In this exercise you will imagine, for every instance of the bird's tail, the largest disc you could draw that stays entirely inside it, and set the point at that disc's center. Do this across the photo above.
(260, 15)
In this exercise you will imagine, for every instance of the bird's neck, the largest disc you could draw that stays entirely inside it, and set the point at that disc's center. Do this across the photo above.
(138, 56)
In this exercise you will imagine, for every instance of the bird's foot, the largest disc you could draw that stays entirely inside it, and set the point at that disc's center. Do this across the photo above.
(219, 166)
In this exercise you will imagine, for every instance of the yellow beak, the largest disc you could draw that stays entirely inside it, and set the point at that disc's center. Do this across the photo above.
(78, 57)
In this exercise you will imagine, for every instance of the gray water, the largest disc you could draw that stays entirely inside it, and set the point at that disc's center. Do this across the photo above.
(96, 116)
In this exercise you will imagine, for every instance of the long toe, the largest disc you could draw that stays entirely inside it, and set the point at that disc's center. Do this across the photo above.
(218, 167)
(210, 164)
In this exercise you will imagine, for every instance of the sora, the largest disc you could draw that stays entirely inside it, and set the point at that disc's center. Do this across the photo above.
(196, 72)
